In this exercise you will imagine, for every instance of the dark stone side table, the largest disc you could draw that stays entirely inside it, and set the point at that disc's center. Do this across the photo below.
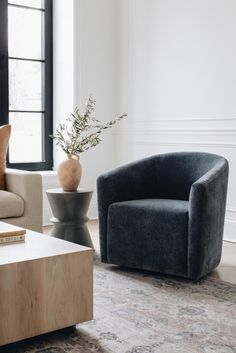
(70, 215)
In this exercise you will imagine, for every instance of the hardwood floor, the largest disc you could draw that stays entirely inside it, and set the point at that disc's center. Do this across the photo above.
(226, 271)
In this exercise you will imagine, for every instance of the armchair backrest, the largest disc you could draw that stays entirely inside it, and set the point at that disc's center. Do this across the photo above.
(174, 173)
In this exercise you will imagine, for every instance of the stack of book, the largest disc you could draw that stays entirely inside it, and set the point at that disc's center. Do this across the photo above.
(11, 234)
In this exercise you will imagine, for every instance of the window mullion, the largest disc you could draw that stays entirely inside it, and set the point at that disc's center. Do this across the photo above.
(26, 59)
(26, 7)
(48, 106)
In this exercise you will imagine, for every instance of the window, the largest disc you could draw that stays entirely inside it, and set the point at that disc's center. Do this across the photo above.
(26, 81)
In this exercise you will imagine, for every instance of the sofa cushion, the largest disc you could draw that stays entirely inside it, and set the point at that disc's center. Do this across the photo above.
(5, 132)
(151, 234)
(11, 205)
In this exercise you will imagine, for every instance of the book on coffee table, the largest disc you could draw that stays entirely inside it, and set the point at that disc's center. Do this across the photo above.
(10, 233)
(12, 239)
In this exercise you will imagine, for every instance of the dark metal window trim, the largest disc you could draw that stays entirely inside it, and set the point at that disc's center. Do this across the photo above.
(4, 100)
(27, 7)
(47, 142)
(28, 59)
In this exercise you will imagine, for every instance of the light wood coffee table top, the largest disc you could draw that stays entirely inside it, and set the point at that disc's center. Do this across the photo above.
(36, 246)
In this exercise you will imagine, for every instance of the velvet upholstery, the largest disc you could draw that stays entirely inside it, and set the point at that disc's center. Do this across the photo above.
(169, 219)
(164, 213)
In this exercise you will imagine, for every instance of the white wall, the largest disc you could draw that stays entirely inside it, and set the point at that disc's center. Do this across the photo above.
(63, 65)
(85, 61)
(95, 64)
(179, 75)
(170, 64)
(63, 85)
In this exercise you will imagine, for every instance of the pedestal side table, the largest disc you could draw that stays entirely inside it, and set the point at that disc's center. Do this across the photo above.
(70, 215)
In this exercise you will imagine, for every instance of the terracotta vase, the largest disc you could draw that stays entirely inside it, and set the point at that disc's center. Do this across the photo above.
(69, 173)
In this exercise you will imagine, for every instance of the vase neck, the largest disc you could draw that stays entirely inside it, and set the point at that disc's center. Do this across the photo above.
(73, 156)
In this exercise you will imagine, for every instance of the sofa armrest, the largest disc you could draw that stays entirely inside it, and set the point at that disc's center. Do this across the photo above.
(28, 185)
(207, 204)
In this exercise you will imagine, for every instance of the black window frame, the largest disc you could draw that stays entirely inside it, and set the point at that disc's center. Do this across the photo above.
(47, 143)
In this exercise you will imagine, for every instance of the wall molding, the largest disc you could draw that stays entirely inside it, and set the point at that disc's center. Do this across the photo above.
(230, 230)
(186, 118)
(214, 127)
(230, 214)
(151, 130)
(187, 143)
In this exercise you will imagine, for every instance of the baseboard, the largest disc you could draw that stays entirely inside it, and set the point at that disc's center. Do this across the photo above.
(93, 212)
(230, 230)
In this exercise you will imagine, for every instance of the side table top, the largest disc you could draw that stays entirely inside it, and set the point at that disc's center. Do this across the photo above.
(61, 191)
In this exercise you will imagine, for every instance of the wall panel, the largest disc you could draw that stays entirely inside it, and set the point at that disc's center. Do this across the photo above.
(179, 71)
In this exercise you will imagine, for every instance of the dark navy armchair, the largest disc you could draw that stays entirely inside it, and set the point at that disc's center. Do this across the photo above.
(164, 213)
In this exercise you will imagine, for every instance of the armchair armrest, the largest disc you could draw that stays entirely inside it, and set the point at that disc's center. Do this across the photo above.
(129, 182)
(28, 186)
(207, 204)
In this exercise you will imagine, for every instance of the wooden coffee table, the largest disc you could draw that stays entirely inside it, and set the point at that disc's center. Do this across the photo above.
(45, 284)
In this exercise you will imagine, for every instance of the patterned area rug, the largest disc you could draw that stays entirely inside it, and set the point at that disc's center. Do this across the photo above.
(137, 312)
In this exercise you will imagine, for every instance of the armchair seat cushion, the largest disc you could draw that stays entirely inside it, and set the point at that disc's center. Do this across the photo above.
(151, 234)
(11, 205)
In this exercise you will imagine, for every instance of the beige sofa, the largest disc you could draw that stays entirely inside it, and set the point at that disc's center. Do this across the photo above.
(21, 202)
